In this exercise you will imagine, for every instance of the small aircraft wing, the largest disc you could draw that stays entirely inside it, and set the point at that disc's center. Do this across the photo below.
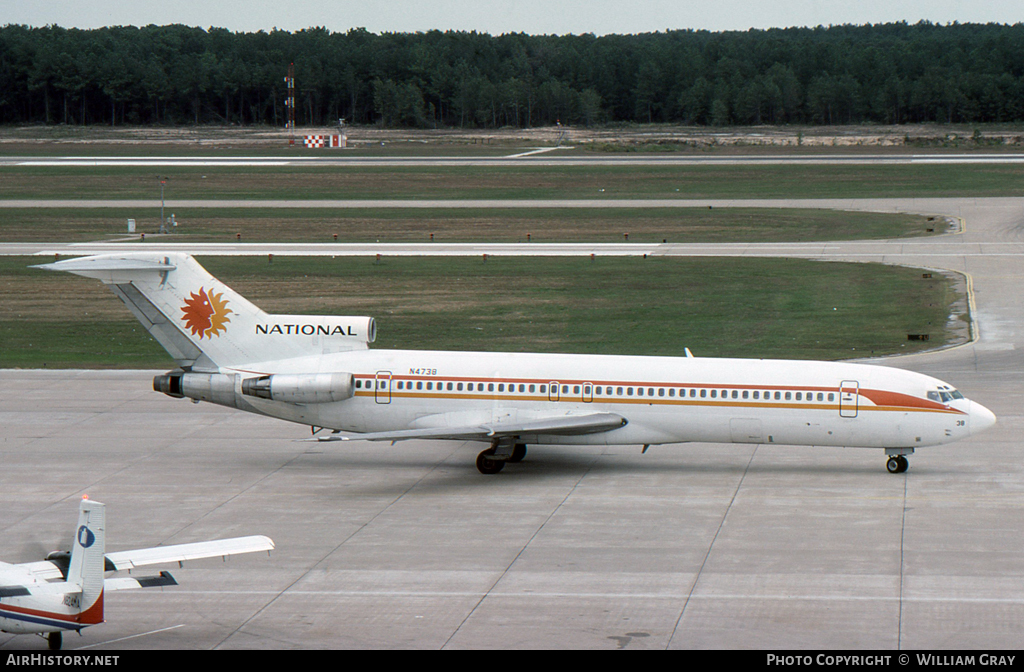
(182, 552)
(43, 570)
(561, 424)
(49, 570)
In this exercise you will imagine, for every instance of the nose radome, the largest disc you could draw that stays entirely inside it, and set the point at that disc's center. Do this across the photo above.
(980, 417)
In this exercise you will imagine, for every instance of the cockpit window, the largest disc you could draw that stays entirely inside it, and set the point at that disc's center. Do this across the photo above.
(947, 395)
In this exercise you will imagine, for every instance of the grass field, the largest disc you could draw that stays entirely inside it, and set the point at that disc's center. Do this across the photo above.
(389, 225)
(526, 182)
(655, 306)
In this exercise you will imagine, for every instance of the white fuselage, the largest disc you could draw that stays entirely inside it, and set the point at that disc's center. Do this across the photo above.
(664, 399)
(49, 609)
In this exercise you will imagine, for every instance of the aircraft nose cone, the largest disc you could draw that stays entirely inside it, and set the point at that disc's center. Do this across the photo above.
(981, 418)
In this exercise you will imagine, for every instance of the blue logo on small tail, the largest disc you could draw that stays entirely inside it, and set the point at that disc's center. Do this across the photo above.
(85, 537)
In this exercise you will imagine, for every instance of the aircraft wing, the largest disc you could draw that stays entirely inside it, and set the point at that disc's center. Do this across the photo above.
(49, 570)
(561, 424)
(183, 552)
(44, 570)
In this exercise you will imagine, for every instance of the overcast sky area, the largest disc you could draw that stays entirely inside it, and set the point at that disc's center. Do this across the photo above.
(529, 16)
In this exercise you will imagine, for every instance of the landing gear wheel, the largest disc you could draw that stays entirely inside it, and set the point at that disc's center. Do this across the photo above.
(897, 464)
(486, 465)
(518, 453)
(54, 640)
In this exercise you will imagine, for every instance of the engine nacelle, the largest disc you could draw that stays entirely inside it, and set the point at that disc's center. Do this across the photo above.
(301, 388)
(217, 388)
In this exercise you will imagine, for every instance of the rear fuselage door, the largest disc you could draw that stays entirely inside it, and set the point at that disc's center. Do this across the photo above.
(849, 393)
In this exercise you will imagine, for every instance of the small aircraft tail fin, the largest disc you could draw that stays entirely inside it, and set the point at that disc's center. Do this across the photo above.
(203, 323)
(87, 564)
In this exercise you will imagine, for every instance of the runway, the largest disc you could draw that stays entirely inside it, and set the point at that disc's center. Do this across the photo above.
(684, 547)
(547, 156)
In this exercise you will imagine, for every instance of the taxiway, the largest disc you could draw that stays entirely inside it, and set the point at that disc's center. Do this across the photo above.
(689, 546)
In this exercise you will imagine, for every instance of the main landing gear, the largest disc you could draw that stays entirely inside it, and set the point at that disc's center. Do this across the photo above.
(54, 640)
(897, 462)
(502, 450)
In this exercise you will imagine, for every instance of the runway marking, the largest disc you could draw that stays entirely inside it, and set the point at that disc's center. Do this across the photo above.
(124, 639)
(529, 157)
(533, 151)
(615, 596)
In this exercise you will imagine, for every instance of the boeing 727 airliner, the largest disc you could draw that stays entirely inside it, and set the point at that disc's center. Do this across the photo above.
(319, 371)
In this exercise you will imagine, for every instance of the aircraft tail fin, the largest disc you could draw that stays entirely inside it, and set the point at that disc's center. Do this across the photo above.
(203, 323)
(87, 564)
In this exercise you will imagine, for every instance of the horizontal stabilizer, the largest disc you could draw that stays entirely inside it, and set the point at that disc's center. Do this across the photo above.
(130, 582)
(13, 591)
(562, 424)
(106, 264)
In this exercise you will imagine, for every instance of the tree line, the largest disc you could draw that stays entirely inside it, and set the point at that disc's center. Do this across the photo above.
(887, 73)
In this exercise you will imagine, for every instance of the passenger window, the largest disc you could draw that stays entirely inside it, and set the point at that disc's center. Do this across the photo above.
(618, 391)
(703, 393)
(757, 394)
(821, 397)
(661, 391)
(714, 394)
(629, 391)
(745, 394)
(639, 391)
(430, 386)
(693, 393)
(575, 389)
(533, 388)
(565, 389)
(459, 387)
(799, 396)
(419, 385)
(543, 388)
(450, 386)
(778, 395)
(501, 387)
(788, 396)
(735, 394)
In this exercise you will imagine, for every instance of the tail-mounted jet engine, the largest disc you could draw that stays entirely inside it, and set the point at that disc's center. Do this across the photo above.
(301, 388)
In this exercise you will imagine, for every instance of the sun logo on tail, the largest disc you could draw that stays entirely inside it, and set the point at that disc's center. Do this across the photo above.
(206, 314)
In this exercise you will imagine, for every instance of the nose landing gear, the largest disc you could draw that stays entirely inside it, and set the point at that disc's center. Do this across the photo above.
(897, 462)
